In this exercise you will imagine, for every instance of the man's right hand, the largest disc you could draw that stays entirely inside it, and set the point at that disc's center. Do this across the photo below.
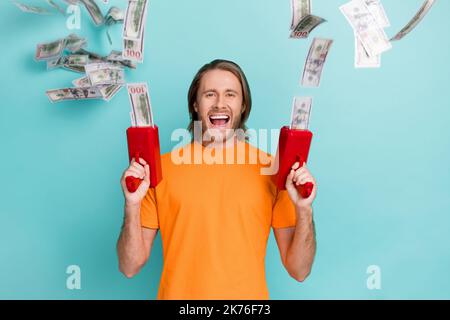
(139, 170)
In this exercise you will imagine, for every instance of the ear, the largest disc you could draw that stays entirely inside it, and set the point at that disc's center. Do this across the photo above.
(195, 107)
(243, 109)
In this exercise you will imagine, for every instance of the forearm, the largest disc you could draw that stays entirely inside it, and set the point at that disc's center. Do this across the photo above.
(130, 246)
(302, 249)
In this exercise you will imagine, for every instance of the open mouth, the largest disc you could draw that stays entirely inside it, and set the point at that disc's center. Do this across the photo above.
(219, 120)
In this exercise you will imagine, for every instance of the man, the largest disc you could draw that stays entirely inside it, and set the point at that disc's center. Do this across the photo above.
(215, 218)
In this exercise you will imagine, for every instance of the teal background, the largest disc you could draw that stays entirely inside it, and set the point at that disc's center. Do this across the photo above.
(380, 151)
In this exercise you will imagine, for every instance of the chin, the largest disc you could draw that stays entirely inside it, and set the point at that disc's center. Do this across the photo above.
(215, 134)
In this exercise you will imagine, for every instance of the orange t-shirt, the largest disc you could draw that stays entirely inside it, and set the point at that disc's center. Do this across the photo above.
(214, 221)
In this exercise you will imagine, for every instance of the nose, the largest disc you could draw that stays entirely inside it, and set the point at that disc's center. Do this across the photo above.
(220, 103)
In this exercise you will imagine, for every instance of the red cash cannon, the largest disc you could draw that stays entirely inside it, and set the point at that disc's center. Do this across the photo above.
(293, 146)
(143, 142)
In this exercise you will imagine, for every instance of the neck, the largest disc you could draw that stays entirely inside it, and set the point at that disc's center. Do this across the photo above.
(230, 142)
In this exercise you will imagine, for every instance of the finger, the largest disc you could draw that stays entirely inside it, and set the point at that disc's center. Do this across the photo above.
(147, 173)
(300, 173)
(138, 167)
(296, 165)
(142, 161)
(303, 178)
(134, 173)
(289, 180)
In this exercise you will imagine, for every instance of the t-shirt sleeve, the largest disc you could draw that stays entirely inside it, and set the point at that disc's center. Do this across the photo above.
(149, 212)
(283, 213)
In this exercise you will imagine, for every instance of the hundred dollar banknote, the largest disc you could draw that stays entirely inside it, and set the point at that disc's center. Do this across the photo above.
(82, 82)
(133, 50)
(301, 111)
(362, 59)
(305, 26)
(315, 62)
(377, 10)
(133, 30)
(426, 6)
(94, 11)
(135, 19)
(54, 49)
(113, 16)
(49, 51)
(73, 62)
(104, 74)
(109, 91)
(115, 57)
(58, 8)
(58, 95)
(372, 36)
(300, 9)
(140, 104)
(31, 9)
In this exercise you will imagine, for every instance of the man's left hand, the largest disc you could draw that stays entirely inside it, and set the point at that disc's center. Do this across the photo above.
(296, 177)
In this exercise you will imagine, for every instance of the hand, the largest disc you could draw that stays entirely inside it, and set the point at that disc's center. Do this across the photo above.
(139, 170)
(296, 177)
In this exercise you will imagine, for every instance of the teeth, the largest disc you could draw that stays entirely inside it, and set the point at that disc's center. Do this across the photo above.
(219, 117)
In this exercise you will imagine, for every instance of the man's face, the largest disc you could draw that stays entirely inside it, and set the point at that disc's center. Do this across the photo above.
(219, 102)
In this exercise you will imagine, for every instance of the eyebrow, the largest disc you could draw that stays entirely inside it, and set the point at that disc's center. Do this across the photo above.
(214, 90)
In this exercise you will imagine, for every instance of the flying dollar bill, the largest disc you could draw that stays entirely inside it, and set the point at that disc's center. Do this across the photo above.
(74, 43)
(315, 62)
(104, 74)
(362, 59)
(140, 104)
(49, 51)
(58, 95)
(371, 35)
(55, 49)
(113, 16)
(115, 58)
(73, 62)
(31, 9)
(134, 30)
(414, 21)
(57, 7)
(305, 26)
(133, 50)
(301, 111)
(82, 82)
(300, 9)
(377, 10)
(135, 19)
(94, 11)
(109, 91)
(74, 2)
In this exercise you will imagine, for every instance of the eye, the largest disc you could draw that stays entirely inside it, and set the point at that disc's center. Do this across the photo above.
(209, 94)
(231, 94)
